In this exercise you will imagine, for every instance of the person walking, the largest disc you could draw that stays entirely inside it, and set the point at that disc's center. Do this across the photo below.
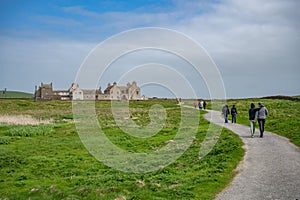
(195, 104)
(204, 105)
(225, 111)
(252, 116)
(200, 104)
(262, 113)
(233, 114)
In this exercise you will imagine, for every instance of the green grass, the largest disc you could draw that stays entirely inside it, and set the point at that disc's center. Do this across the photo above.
(283, 118)
(30, 130)
(54, 164)
(15, 94)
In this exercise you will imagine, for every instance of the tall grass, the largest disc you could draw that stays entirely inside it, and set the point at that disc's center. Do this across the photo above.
(31, 130)
(22, 120)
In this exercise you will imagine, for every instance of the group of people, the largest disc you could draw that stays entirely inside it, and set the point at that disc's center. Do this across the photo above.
(201, 105)
(255, 114)
(226, 112)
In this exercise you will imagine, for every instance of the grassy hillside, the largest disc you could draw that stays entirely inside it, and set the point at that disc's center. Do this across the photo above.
(283, 119)
(50, 162)
(15, 94)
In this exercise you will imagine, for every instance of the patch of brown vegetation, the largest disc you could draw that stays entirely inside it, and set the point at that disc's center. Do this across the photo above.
(120, 198)
(140, 183)
(22, 120)
(174, 186)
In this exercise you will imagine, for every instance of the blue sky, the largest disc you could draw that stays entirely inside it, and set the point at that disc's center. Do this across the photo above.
(254, 43)
(82, 19)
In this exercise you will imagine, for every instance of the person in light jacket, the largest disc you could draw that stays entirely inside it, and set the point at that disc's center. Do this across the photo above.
(262, 113)
(226, 112)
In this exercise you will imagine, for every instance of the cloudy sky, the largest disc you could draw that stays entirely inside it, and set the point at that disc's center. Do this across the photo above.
(254, 43)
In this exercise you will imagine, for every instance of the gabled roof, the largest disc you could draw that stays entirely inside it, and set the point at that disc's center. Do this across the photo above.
(89, 91)
(107, 90)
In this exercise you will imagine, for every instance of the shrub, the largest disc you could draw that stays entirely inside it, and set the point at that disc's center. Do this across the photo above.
(30, 130)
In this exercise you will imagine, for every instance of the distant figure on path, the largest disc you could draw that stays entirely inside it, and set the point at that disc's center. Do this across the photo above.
(179, 101)
(200, 105)
(225, 111)
(195, 104)
(233, 114)
(204, 105)
(262, 113)
(252, 117)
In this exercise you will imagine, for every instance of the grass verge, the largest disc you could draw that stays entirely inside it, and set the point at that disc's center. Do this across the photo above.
(56, 165)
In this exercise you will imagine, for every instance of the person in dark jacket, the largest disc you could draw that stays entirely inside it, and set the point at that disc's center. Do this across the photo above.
(204, 105)
(252, 117)
(233, 114)
(262, 113)
(226, 112)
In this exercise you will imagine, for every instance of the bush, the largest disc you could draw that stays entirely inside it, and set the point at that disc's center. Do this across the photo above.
(30, 130)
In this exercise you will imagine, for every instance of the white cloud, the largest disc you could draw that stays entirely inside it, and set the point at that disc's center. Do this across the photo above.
(254, 43)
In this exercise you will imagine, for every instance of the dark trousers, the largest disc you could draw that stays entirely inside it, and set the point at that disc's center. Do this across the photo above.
(261, 123)
(226, 118)
(233, 119)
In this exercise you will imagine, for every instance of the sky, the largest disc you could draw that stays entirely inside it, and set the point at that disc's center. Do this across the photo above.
(255, 44)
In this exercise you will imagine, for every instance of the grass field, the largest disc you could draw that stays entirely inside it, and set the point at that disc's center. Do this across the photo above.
(48, 161)
(283, 118)
(15, 94)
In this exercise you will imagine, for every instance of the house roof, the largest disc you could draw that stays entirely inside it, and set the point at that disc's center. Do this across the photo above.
(89, 91)
(107, 90)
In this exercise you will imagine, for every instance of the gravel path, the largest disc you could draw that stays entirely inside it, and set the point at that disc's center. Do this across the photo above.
(270, 169)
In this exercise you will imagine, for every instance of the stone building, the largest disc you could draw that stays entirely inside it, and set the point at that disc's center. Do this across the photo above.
(44, 92)
(61, 95)
(113, 92)
(77, 93)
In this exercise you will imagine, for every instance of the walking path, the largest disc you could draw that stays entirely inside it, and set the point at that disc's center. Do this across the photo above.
(270, 169)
